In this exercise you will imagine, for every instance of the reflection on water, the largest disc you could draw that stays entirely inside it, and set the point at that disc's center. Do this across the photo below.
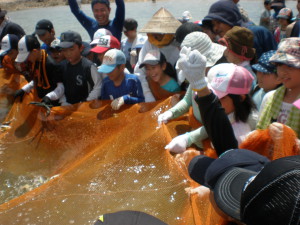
(63, 19)
(13, 185)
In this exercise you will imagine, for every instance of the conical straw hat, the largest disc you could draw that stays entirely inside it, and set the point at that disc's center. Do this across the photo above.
(162, 22)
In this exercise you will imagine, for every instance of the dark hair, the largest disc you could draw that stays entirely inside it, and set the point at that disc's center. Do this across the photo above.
(169, 68)
(243, 108)
(130, 24)
(185, 29)
(105, 2)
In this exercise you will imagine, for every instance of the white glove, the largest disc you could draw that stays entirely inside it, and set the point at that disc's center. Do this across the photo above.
(117, 103)
(164, 117)
(193, 64)
(178, 144)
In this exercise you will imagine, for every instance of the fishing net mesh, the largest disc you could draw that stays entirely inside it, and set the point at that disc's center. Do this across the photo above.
(89, 160)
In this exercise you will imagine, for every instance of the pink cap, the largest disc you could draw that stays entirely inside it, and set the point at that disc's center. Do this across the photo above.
(228, 78)
(297, 103)
(106, 42)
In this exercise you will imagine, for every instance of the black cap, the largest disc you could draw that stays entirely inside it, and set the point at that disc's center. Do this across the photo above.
(2, 13)
(207, 171)
(128, 217)
(69, 38)
(43, 26)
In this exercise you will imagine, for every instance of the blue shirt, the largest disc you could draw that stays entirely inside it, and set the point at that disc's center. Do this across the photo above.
(115, 26)
(130, 89)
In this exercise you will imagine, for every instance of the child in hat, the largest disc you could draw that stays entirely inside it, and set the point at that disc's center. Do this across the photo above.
(277, 104)
(160, 75)
(239, 42)
(284, 17)
(56, 51)
(105, 43)
(231, 84)
(9, 52)
(44, 72)
(127, 44)
(45, 31)
(80, 78)
(267, 78)
(160, 38)
(120, 87)
(214, 54)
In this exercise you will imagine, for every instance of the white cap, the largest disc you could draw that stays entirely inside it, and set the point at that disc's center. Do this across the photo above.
(98, 34)
(9, 41)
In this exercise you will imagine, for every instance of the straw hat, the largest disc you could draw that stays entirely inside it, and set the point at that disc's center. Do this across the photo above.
(162, 22)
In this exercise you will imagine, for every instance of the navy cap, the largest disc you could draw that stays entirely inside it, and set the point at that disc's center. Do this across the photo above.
(69, 38)
(86, 49)
(207, 170)
(226, 12)
(43, 26)
(263, 65)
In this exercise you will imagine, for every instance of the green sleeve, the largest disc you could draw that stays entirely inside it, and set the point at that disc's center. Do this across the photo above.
(183, 106)
(197, 136)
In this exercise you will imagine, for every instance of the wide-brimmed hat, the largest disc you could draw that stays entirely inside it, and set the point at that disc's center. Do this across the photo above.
(201, 42)
(263, 65)
(285, 13)
(162, 22)
(288, 52)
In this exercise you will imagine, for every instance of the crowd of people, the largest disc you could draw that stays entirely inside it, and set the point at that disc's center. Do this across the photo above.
(233, 77)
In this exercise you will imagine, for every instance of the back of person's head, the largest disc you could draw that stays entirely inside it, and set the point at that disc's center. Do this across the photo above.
(201, 42)
(105, 2)
(25, 45)
(239, 41)
(243, 107)
(267, 2)
(2, 13)
(9, 42)
(185, 29)
(130, 24)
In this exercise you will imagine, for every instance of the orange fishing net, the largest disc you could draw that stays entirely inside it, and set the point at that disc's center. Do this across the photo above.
(93, 160)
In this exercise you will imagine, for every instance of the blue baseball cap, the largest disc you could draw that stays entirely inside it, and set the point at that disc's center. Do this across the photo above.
(111, 59)
(263, 65)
